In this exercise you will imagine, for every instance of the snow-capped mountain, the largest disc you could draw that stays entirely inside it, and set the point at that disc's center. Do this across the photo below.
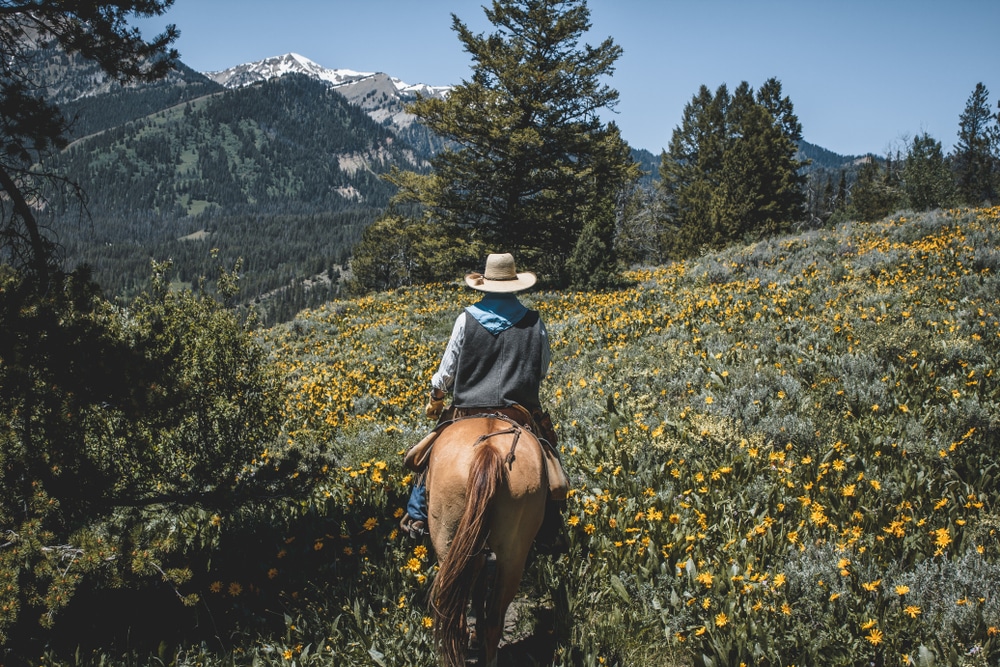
(381, 96)
(290, 63)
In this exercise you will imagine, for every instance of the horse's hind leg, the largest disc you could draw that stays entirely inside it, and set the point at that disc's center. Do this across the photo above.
(481, 592)
(506, 583)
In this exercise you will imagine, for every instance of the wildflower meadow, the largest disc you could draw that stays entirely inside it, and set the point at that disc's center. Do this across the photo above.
(781, 454)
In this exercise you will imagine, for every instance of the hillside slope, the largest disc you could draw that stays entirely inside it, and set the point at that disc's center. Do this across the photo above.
(285, 174)
(782, 453)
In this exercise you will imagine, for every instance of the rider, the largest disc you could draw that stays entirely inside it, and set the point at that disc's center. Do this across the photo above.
(496, 357)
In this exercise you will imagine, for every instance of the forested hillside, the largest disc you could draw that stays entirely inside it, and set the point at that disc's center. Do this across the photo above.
(92, 113)
(284, 174)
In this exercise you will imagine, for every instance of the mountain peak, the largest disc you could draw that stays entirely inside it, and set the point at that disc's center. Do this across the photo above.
(275, 66)
(381, 96)
(294, 63)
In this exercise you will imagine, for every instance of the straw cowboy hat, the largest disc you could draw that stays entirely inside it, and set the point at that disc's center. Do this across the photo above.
(500, 276)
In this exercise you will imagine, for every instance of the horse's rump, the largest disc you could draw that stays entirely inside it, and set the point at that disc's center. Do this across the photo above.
(486, 490)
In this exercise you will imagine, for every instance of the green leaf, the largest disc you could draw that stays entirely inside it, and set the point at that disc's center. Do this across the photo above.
(377, 656)
(619, 588)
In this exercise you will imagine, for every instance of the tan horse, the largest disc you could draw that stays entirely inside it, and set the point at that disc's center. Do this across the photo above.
(486, 493)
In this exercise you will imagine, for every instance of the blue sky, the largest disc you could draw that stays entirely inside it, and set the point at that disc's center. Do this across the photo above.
(863, 75)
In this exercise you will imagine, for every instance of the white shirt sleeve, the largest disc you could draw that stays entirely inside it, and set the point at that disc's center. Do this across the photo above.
(444, 378)
(546, 353)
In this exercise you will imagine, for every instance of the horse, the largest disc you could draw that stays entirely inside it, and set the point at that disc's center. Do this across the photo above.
(486, 495)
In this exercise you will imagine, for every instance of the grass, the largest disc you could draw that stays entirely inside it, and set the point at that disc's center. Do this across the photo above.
(768, 444)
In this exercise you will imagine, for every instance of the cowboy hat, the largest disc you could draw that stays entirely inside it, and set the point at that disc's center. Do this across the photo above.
(500, 276)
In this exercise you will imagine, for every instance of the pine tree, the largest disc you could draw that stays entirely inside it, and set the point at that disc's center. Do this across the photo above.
(730, 171)
(690, 169)
(974, 157)
(873, 196)
(593, 263)
(828, 200)
(927, 181)
(841, 191)
(737, 203)
(528, 139)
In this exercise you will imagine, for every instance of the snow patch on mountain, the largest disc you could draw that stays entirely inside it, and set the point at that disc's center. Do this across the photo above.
(270, 68)
(382, 97)
(293, 63)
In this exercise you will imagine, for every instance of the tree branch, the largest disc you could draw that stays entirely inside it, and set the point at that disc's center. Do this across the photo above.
(39, 249)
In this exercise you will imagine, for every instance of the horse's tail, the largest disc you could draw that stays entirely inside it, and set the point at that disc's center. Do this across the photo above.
(456, 574)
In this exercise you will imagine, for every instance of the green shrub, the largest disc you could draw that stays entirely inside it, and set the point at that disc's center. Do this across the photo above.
(131, 437)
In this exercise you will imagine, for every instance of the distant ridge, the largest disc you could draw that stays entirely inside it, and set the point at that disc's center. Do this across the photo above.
(381, 96)
(821, 158)
(270, 68)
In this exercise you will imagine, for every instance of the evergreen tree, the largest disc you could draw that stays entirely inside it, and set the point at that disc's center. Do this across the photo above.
(396, 251)
(974, 157)
(594, 262)
(529, 144)
(689, 170)
(873, 196)
(828, 202)
(736, 203)
(927, 181)
(842, 191)
(731, 171)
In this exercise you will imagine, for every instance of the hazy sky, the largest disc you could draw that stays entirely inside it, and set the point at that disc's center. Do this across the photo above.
(863, 75)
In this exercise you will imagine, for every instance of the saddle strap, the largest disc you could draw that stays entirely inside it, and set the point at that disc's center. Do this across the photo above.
(514, 430)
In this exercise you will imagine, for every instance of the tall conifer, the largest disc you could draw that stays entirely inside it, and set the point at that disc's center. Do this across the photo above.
(974, 156)
(927, 181)
(730, 171)
(528, 141)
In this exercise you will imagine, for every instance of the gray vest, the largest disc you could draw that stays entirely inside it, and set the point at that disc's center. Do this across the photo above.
(500, 370)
